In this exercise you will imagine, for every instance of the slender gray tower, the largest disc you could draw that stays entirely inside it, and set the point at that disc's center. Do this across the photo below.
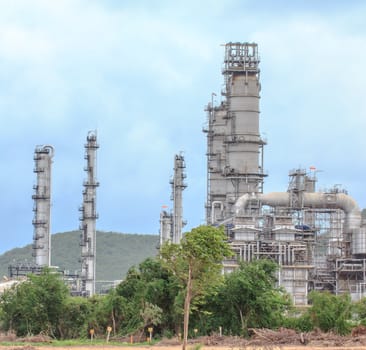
(166, 227)
(42, 205)
(88, 218)
(171, 224)
(234, 145)
(178, 185)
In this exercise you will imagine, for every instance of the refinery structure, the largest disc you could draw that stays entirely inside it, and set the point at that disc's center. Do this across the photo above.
(88, 218)
(318, 238)
(83, 283)
(42, 205)
(171, 224)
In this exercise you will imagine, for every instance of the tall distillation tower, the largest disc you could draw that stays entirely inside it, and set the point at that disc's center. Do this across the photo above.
(234, 147)
(171, 224)
(88, 218)
(42, 205)
(178, 185)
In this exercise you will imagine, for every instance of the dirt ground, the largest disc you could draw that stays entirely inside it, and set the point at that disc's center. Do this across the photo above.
(178, 347)
(266, 339)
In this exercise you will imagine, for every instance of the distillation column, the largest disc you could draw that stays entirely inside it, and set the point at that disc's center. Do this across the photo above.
(171, 224)
(42, 205)
(234, 145)
(166, 227)
(88, 218)
(178, 185)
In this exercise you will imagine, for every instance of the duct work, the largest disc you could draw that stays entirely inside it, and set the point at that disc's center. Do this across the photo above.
(342, 201)
(317, 238)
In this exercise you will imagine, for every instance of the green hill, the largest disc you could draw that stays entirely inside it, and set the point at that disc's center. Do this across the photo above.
(116, 253)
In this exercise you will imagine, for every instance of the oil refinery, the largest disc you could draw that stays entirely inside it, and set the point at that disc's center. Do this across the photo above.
(318, 238)
(84, 282)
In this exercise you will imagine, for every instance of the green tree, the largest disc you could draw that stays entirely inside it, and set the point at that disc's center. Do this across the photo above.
(115, 308)
(151, 314)
(331, 312)
(35, 305)
(360, 311)
(248, 298)
(148, 288)
(73, 322)
(197, 262)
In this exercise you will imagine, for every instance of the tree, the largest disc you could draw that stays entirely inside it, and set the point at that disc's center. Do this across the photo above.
(73, 322)
(35, 305)
(151, 314)
(360, 311)
(197, 262)
(149, 290)
(331, 312)
(247, 298)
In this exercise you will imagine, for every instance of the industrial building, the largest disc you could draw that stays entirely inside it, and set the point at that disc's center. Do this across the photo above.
(317, 238)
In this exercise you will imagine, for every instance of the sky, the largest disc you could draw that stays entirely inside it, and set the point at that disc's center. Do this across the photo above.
(141, 72)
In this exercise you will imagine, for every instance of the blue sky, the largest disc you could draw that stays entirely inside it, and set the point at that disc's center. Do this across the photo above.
(141, 72)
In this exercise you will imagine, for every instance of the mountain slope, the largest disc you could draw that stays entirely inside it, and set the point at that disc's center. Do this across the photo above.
(116, 253)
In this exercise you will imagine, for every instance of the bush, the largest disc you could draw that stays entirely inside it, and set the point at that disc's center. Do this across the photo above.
(331, 312)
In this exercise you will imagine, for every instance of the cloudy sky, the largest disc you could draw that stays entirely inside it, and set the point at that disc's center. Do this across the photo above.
(141, 72)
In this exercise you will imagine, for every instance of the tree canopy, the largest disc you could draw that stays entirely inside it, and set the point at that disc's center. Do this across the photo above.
(197, 262)
(162, 292)
(35, 305)
(247, 298)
